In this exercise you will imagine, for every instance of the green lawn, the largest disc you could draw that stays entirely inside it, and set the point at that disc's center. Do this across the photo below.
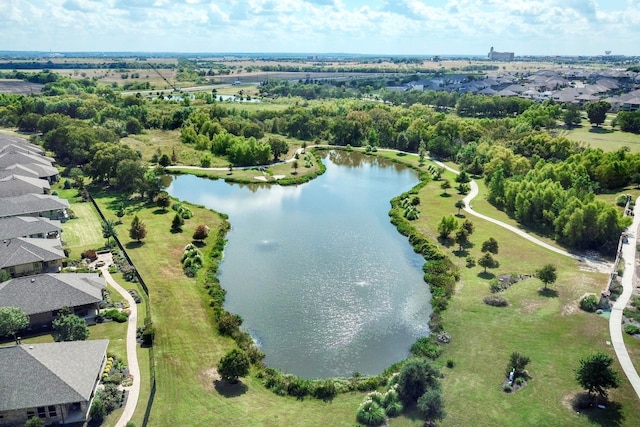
(83, 232)
(550, 329)
(605, 137)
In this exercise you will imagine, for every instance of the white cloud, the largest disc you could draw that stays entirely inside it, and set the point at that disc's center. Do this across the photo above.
(359, 26)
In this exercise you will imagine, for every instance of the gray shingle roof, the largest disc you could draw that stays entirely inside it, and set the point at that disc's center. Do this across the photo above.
(43, 293)
(6, 140)
(12, 157)
(20, 251)
(17, 185)
(31, 204)
(25, 148)
(33, 375)
(24, 226)
(19, 169)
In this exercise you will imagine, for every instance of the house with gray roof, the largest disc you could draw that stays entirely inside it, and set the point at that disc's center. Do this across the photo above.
(29, 226)
(24, 256)
(35, 162)
(10, 140)
(44, 205)
(18, 185)
(42, 296)
(24, 148)
(53, 381)
(19, 169)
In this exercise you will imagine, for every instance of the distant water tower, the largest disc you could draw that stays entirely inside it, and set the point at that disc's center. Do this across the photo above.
(607, 52)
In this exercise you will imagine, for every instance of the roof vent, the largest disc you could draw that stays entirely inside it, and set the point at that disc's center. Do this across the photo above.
(30, 347)
(33, 280)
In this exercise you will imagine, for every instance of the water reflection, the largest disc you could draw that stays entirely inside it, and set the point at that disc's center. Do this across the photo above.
(324, 282)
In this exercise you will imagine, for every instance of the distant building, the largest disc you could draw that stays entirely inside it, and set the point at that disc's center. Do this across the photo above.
(500, 56)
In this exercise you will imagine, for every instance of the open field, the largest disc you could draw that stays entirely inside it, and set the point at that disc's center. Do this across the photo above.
(605, 137)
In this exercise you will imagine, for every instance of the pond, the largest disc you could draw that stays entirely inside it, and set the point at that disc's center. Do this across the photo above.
(324, 282)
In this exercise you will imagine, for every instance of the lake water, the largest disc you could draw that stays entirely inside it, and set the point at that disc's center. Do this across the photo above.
(324, 282)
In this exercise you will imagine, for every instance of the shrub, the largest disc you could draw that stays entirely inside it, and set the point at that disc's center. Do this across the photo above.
(507, 388)
(471, 262)
(495, 301)
(426, 347)
(371, 413)
(394, 409)
(589, 303)
(616, 290)
(621, 200)
(519, 381)
(325, 390)
(450, 363)
(631, 329)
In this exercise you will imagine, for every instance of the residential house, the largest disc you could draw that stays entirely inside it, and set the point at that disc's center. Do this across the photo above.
(10, 140)
(18, 185)
(29, 226)
(53, 381)
(40, 164)
(24, 256)
(42, 296)
(19, 169)
(44, 205)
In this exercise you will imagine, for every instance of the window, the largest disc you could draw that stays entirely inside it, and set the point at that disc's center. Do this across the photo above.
(52, 411)
(30, 413)
(41, 412)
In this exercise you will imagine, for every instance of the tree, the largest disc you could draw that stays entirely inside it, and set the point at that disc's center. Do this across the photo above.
(138, 230)
(233, 365)
(486, 261)
(69, 327)
(547, 274)
(201, 233)
(460, 205)
(130, 175)
(163, 200)
(518, 362)
(468, 226)
(596, 375)
(571, 115)
(431, 405)
(177, 223)
(462, 238)
(490, 245)
(164, 161)
(278, 147)
(109, 230)
(445, 186)
(120, 213)
(462, 177)
(448, 224)
(416, 377)
(597, 112)
(12, 320)
(4, 276)
(295, 165)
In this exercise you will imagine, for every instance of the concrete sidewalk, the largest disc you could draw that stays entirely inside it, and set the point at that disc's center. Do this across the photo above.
(132, 350)
(615, 321)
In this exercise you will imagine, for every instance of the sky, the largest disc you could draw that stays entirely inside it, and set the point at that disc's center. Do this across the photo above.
(385, 27)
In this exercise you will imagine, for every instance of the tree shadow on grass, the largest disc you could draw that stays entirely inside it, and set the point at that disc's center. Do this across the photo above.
(448, 242)
(445, 194)
(600, 130)
(198, 243)
(133, 245)
(548, 293)
(230, 390)
(160, 211)
(486, 275)
(461, 253)
(611, 415)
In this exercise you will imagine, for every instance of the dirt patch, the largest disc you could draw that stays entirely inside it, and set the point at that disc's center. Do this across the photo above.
(209, 378)
(532, 306)
(569, 308)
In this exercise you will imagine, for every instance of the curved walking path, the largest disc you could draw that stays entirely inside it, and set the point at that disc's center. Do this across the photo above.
(468, 208)
(615, 321)
(629, 256)
(132, 350)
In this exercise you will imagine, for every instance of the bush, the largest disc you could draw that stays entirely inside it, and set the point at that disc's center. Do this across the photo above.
(426, 347)
(495, 301)
(621, 200)
(450, 364)
(325, 390)
(631, 329)
(589, 303)
(471, 262)
(507, 388)
(371, 413)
